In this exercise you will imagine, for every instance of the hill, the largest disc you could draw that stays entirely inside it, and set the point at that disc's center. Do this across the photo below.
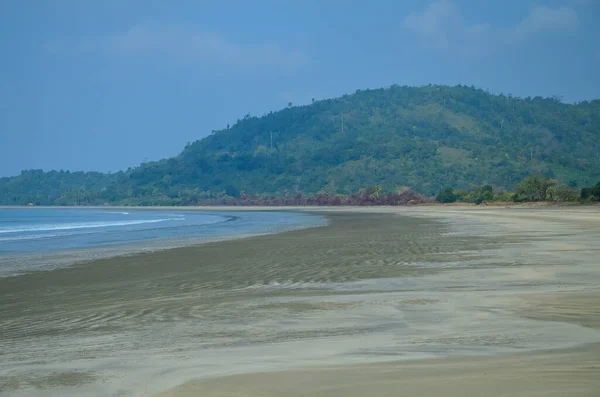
(426, 138)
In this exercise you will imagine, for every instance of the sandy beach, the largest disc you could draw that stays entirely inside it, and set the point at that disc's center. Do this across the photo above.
(449, 301)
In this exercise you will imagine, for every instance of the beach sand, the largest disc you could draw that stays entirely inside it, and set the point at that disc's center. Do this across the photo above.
(574, 372)
(383, 301)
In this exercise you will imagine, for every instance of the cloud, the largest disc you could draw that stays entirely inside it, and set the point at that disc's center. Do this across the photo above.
(185, 45)
(584, 2)
(546, 19)
(433, 21)
(441, 26)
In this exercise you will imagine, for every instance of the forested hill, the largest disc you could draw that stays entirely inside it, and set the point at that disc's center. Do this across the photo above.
(425, 138)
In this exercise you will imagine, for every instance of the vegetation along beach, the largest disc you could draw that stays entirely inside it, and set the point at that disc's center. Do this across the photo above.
(300, 198)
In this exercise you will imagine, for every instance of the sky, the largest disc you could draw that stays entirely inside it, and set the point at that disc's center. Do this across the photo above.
(104, 85)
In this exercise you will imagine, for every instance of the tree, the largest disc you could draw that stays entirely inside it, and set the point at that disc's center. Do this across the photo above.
(591, 193)
(446, 196)
(232, 191)
(561, 193)
(533, 188)
(373, 191)
(480, 194)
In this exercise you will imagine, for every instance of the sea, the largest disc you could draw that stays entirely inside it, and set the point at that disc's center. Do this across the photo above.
(33, 239)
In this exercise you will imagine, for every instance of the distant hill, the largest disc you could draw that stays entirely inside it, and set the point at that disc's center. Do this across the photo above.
(425, 138)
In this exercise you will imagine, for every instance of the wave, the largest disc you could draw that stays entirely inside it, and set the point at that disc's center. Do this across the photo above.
(27, 237)
(82, 225)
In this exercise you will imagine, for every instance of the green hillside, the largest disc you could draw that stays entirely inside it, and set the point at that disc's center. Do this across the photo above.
(55, 187)
(426, 138)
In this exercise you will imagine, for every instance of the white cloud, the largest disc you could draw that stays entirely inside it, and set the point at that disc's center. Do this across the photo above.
(442, 26)
(584, 2)
(433, 20)
(546, 19)
(439, 25)
(188, 45)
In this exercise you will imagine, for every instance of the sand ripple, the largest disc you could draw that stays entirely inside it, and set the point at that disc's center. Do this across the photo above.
(369, 286)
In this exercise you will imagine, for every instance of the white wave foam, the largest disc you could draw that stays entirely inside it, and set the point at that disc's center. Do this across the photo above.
(82, 225)
(28, 237)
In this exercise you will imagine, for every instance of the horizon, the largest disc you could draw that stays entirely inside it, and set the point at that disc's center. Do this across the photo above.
(106, 86)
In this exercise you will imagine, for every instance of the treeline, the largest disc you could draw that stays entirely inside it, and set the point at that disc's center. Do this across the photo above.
(51, 190)
(59, 188)
(533, 188)
(370, 196)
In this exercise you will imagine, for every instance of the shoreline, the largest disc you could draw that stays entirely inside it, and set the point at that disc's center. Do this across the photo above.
(308, 208)
(50, 260)
(375, 285)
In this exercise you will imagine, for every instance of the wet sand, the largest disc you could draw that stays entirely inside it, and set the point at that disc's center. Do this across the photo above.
(573, 372)
(427, 300)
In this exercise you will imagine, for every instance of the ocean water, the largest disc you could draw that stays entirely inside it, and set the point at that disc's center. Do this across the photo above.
(42, 238)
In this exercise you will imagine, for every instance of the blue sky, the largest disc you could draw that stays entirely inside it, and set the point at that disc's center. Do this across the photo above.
(104, 85)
